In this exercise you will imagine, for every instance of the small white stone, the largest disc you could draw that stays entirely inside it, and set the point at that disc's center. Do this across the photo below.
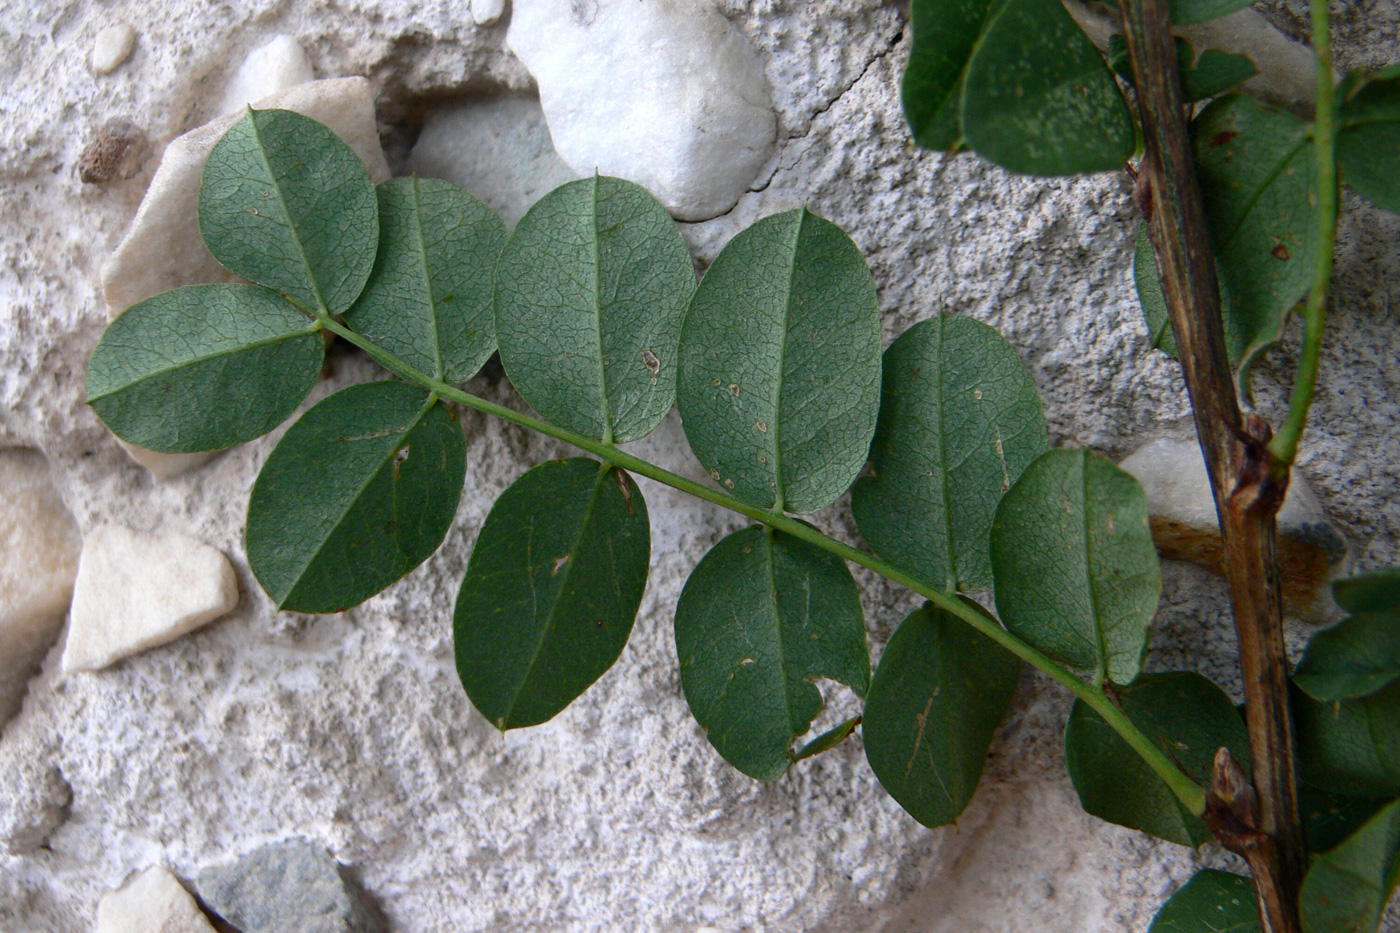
(499, 150)
(39, 546)
(486, 12)
(164, 250)
(276, 65)
(1185, 527)
(111, 47)
(665, 93)
(135, 591)
(152, 902)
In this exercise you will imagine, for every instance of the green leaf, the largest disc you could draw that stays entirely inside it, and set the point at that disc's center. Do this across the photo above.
(1211, 902)
(828, 739)
(960, 419)
(285, 203)
(780, 364)
(591, 291)
(934, 705)
(1018, 81)
(203, 367)
(430, 299)
(1377, 591)
(1255, 168)
(1154, 304)
(552, 589)
(1189, 717)
(357, 493)
(1184, 12)
(1346, 889)
(1075, 567)
(1207, 76)
(1354, 658)
(1368, 139)
(1330, 818)
(763, 615)
(1039, 97)
(1351, 746)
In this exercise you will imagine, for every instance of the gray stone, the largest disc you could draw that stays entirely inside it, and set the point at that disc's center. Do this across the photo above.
(39, 547)
(499, 150)
(276, 65)
(665, 93)
(152, 902)
(286, 887)
(35, 798)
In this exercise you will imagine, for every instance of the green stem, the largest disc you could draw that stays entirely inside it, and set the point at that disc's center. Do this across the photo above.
(1284, 446)
(1187, 791)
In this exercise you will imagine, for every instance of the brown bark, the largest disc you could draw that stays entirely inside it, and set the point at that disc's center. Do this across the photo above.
(1267, 831)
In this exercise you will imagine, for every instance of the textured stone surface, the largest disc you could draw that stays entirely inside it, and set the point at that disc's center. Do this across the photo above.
(286, 887)
(152, 902)
(276, 65)
(36, 797)
(39, 546)
(352, 729)
(665, 93)
(1311, 551)
(135, 591)
(499, 150)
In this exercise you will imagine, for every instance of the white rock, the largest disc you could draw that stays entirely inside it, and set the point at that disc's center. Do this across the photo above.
(499, 150)
(152, 902)
(665, 93)
(486, 12)
(111, 47)
(163, 248)
(1184, 524)
(276, 65)
(135, 591)
(39, 545)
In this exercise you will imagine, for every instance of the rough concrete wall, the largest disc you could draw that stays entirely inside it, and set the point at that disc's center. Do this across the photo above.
(352, 729)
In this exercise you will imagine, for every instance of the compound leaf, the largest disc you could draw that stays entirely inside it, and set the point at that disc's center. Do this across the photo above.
(430, 299)
(286, 203)
(1356, 657)
(357, 493)
(938, 694)
(552, 589)
(1368, 139)
(1346, 889)
(1376, 591)
(1075, 568)
(203, 367)
(1206, 76)
(1330, 818)
(1211, 902)
(591, 291)
(779, 385)
(1351, 746)
(960, 419)
(1255, 167)
(762, 615)
(1189, 717)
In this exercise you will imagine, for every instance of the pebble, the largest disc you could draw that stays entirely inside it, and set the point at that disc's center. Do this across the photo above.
(499, 150)
(668, 95)
(135, 591)
(111, 47)
(152, 902)
(164, 250)
(486, 12)
(287, 887)
(106, 156)
(39, 547)
(276, 65)
(1184, 525)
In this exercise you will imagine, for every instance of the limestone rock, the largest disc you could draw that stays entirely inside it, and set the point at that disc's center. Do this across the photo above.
(152, 902)
(486, 12)
(35, 800)
(276, 65)
(286, 887)
(135, 591)
(499, 150)
(163, 248)
(666, 93)
(39, 546)
(1184, 525)
(111, 47)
